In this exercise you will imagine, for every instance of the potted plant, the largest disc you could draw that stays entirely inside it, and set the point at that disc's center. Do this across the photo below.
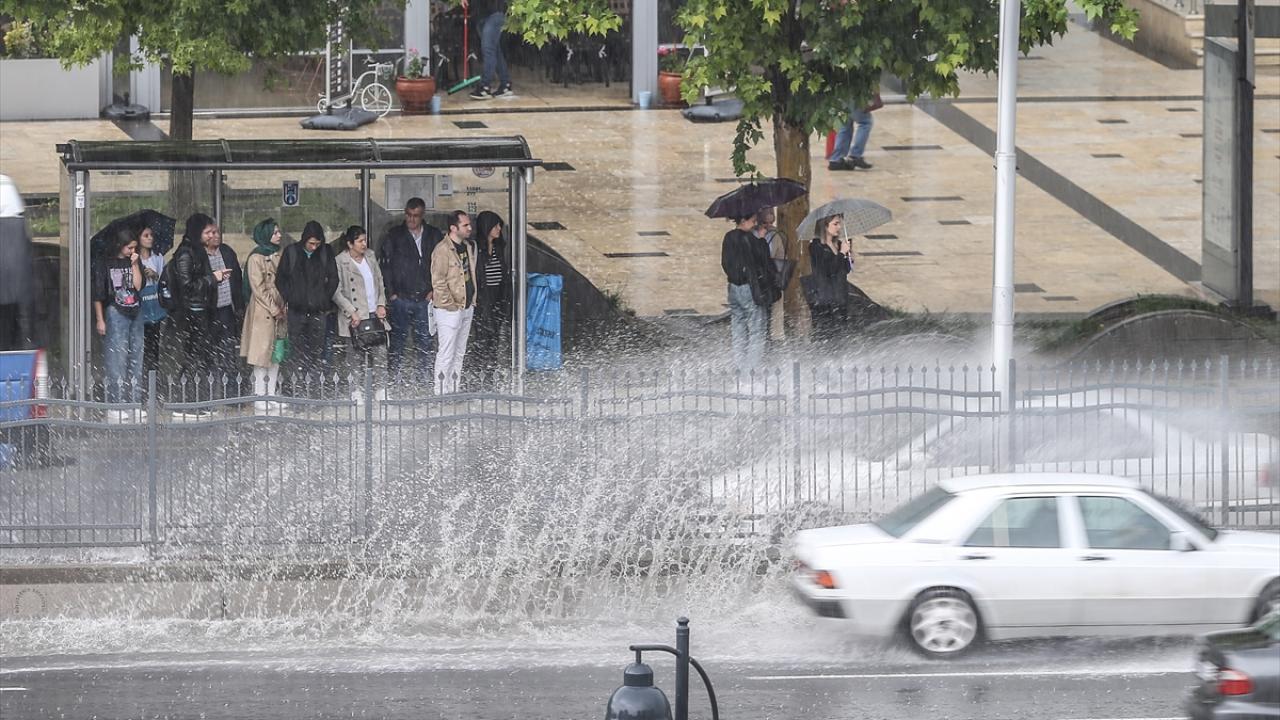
(415, 86)
(670, 71)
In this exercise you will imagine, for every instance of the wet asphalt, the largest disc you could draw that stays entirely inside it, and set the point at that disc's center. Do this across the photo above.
(1045, 680)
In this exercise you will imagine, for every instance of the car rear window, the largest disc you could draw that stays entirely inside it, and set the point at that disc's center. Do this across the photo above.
(901, 519)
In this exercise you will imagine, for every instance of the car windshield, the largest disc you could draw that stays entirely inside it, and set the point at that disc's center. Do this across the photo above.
(901, 519)
(1186, 514)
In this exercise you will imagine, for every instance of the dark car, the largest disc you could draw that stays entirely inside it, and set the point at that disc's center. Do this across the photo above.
(1239, 672)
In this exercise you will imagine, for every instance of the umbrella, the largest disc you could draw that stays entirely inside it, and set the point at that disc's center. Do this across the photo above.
(860, 216)
(753, 196)
(161, 227)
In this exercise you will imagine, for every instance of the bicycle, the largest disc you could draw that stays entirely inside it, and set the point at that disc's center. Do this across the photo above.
(374, 96)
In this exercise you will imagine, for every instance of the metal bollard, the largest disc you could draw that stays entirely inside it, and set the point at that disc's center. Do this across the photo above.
(638, 699)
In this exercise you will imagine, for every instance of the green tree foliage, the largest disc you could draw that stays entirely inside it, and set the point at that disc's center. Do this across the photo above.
(538, 21)
(803, 62)
(216, 35)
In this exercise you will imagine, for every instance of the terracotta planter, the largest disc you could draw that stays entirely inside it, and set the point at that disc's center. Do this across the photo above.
(669, 88)
(415, 94)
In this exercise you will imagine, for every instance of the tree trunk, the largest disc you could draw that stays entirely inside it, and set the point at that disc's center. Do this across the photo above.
(791, 147)
(182, 101)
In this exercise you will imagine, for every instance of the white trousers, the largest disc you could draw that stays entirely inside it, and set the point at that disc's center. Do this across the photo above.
(266, 380)
(453, 327)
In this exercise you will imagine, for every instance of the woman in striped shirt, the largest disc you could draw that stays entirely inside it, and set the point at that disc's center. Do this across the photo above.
(493, 284)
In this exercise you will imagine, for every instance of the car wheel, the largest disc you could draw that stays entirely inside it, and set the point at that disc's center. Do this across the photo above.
(1268, 601)
(942, 624)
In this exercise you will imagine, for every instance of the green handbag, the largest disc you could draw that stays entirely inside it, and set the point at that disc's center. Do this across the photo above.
(280, 351)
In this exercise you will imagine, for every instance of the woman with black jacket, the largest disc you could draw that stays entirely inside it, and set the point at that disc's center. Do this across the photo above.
(832, 261)
(210, 291)
(493, 285)
(307, 279)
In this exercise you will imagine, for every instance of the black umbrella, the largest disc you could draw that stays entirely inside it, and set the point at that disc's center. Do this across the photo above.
(753, 196)
(162, 227)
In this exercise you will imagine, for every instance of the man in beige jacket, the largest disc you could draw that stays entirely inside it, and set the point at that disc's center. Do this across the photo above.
(453, 282)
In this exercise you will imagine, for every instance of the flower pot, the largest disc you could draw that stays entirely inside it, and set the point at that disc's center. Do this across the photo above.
(415, 94)
(669, 88)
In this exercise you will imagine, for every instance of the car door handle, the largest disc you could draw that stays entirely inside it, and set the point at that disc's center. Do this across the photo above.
(1094, 558)
(977, 556)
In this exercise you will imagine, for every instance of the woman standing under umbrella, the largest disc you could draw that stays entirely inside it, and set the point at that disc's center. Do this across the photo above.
(832, 261)
(744, 257)
(265, 314)
(152, 314)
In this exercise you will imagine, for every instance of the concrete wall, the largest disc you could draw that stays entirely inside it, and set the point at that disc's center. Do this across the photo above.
(42, 90)
(1164, 35)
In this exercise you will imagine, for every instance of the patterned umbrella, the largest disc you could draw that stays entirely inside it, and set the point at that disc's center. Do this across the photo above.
(860, 217)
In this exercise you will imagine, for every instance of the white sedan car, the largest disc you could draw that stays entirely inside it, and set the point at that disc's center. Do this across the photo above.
(1006, 556)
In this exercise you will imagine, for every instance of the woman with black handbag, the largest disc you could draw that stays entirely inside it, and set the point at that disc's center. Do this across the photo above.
(362, 307)
(831, 259)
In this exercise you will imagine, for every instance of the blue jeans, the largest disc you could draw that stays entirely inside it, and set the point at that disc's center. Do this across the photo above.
(842, 150)
(409, 315)
(124, 347)
(495, 64)
(749, 324)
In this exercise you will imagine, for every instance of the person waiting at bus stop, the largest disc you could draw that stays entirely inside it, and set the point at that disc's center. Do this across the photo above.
(306, 278)
(211, 302)
(405, 258)
(453, 279)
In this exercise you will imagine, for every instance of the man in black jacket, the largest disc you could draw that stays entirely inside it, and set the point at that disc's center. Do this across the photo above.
(307, 279)
(210, 290)
(405, 258)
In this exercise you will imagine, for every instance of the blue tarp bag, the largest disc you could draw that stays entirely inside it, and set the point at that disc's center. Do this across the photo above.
(542, 326)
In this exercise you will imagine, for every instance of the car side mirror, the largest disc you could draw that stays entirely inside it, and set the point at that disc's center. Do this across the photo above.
(1179, 542)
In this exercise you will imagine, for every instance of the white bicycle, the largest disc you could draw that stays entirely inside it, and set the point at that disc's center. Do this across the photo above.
(373, 95)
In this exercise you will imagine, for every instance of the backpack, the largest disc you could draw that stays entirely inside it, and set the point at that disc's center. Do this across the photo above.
(167, 288)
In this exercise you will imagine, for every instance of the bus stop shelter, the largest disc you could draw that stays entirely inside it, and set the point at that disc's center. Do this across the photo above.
(239, 182)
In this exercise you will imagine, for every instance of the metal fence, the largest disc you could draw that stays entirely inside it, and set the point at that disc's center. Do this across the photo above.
(659, 455)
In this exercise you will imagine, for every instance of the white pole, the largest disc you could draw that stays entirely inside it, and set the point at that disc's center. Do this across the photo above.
(1006, 177)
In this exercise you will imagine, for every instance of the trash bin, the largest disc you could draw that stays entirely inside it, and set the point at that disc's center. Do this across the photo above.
(542, 326)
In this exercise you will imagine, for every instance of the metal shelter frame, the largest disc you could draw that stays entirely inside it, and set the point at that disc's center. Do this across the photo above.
(81, 159)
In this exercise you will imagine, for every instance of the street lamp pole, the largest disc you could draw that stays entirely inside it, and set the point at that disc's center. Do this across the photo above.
(1006, 178)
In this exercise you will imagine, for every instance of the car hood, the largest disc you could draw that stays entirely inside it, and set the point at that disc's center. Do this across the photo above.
(1248, 539)
(843, 535)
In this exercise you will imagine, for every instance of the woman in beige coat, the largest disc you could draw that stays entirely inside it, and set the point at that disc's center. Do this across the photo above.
(264, 318)
(360, 296)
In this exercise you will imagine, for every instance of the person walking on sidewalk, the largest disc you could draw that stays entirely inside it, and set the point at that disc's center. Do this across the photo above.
(495, 80)
(849, 157)
(117, 303)
(405, 258)
(360, 296)
(744, 257)
(264, 321)
(453, 273)
(306, 279)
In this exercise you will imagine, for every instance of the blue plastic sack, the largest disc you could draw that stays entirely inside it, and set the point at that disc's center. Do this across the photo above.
(542, 325)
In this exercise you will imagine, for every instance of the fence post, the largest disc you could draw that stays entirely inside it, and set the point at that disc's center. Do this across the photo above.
(584, 390)
(368, 449)
(797, 482)
(1009, 456)
(153, 455)
(1224, 451)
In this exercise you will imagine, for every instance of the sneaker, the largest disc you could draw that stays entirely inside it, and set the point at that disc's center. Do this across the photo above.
(481, 93)
(504, 91)
(191, 415)
(857, 162)
(117, 417)
(260, 407)
(839, 165)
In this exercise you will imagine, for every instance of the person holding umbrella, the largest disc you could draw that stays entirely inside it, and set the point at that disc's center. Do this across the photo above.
(831, 259)
(744, 257)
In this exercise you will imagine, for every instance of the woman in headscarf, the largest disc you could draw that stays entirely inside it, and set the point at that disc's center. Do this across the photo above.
(264, 319)
(831, 258)
(493, 281)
